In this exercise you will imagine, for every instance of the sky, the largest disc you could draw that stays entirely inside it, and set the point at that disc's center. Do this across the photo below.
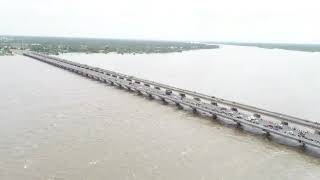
(286, 21)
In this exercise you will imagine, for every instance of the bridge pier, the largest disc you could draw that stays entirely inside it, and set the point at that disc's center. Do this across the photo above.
(238, 124)
(178, 105)
(302, 144)
(214, 116)
(120, 86)
(164, 101)
(194, 110)
(266, 134)
(150, 96)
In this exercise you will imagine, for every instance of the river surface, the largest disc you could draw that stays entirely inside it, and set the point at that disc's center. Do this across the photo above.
(59, 125)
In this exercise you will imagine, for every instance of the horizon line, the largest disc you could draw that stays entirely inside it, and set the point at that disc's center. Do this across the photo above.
(160, 40)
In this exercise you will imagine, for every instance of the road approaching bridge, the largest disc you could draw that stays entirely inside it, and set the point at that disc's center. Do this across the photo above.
(301, 132)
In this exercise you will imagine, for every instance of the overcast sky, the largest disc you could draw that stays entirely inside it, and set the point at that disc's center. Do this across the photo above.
(207, 20)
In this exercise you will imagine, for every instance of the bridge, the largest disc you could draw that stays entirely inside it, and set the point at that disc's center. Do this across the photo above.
(301, 132)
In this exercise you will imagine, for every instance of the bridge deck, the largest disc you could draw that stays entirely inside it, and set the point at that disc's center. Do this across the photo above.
(198, 102)
(279, 116)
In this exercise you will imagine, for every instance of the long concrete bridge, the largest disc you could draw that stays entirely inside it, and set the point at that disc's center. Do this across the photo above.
(300, 132)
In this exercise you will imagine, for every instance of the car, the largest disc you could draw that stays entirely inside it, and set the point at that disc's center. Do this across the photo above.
(268, 125)
(168, 92)
(223, 109)
(256, 121)
(301, 134)
(197, 99)
(278, 126)
(239, 116)
(257, 115)
(289, 132)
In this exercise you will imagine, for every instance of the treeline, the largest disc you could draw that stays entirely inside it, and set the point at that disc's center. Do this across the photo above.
(53, 45)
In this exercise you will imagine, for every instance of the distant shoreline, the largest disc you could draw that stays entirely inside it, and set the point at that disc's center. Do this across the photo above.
(283, 46)
(56, 46)
(62, 45)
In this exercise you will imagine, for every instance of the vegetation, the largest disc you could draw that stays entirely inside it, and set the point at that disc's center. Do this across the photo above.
(5, 48)
(55, 45)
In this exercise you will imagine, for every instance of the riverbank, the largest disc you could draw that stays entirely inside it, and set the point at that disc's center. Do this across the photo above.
(284, 46)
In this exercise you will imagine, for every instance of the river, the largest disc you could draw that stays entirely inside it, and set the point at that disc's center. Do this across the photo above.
(58, 125)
